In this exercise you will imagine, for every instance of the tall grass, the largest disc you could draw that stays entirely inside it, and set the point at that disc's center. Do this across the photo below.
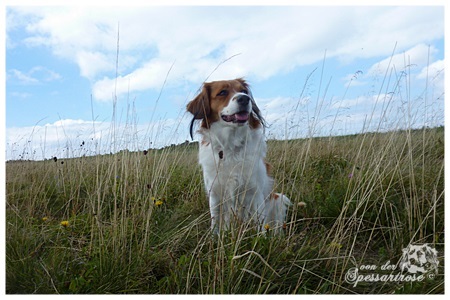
(138, 222)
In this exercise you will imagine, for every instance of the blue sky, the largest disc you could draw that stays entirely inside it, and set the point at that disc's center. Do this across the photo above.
(314, 70)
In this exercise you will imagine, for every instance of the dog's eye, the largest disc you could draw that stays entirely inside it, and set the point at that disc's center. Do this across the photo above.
(223, 93)
(245, 92)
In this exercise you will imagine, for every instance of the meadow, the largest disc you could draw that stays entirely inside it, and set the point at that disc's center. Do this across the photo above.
(138, 222)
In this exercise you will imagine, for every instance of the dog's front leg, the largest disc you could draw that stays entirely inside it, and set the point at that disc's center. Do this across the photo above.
(220, 213)
(214, 208)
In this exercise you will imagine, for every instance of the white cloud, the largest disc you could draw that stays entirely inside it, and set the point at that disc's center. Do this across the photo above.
(20, 95)
(413, 59)
(75, 138)
(275, 110)
(269, 40)
(434, 74)
(45, 74)
(347, 103)
(52, 139)
(354, 79)
(23, 78)
(151, 75)
(433, 71)
(35, 75)
(93, 63)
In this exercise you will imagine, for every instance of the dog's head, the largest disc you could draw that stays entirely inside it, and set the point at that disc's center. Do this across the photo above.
(229, 102)
(419, 258)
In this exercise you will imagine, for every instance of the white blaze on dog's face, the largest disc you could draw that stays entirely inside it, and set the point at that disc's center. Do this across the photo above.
(238, 109)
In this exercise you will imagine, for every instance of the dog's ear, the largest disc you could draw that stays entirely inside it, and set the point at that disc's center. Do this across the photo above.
(200, 106)
(430, 252)
(244, 83)
(256, 116)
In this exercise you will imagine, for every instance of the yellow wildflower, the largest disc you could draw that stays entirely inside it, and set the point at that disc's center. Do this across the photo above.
(267, 227)
(44, 219)
(335, 245)
(158, 203)
(64, 223)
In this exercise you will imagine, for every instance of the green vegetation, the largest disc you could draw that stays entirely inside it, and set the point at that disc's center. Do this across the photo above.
(140, 223)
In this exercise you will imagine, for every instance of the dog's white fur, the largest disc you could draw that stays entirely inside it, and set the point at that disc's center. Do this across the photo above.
(232, 158)
(419, 258)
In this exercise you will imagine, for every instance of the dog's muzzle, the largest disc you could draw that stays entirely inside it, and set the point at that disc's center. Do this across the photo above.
(243, 114)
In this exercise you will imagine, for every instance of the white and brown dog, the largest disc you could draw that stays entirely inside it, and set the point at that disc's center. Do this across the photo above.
(419, 259)
(232, 153)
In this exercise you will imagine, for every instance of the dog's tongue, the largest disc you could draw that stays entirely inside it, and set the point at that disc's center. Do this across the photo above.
(241, 116)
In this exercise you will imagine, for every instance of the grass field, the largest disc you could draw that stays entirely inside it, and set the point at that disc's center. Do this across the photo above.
(139, 223)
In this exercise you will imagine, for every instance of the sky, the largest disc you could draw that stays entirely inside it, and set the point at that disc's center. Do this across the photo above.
(86, 80)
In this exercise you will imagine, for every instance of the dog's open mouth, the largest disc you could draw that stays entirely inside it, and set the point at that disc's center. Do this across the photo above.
(240, 117)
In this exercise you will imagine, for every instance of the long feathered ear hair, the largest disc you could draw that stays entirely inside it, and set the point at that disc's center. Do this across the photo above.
(256, 113)
(199, 107)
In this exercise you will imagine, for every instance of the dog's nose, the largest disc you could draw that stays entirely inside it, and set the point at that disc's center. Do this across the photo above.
(243, 100)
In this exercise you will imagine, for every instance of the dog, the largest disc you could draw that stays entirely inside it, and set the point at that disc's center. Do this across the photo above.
(232, 150)
(419, 259)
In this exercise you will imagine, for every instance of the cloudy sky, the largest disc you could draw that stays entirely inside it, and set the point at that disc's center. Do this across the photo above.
(120, 77)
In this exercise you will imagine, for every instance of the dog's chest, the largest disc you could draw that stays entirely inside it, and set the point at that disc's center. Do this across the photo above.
(224, 161)
(232, 158)
(236, 166)
(227, 167)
